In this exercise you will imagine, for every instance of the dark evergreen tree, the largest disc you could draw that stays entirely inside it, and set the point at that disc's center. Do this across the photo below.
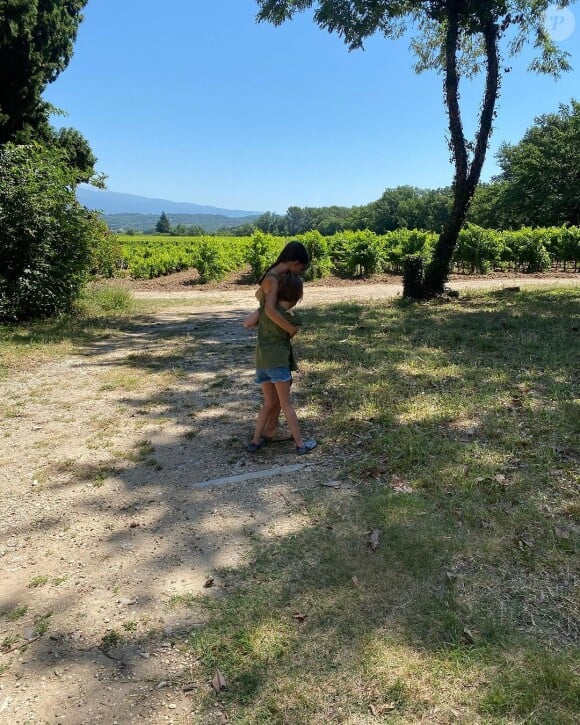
(163, 226)
(36, 44)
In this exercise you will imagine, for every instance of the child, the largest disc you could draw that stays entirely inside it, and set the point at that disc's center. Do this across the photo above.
(274, 363)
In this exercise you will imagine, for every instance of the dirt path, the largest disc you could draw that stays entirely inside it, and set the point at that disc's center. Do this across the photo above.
(124, 487)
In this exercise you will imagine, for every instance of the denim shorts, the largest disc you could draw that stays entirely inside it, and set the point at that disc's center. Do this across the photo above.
(273, 375)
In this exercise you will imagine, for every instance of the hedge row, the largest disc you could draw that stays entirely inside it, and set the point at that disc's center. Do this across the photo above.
(353, 254)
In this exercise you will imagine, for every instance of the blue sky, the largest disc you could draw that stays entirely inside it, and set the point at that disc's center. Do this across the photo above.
(195, 101)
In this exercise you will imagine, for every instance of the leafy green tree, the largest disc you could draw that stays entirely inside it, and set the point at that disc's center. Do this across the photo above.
(163, 225)
(540, 179)
(195, 231)
(271, 223)
(486, 208)
(48, 241)
(36, 44)
(458, 38)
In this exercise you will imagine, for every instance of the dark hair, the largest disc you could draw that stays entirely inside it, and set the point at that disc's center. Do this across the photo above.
(294, 251)
(290, 288)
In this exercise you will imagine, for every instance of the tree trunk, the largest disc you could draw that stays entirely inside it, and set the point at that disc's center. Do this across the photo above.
(466, 174)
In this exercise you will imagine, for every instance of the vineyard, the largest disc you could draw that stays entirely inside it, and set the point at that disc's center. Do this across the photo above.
(346, 254)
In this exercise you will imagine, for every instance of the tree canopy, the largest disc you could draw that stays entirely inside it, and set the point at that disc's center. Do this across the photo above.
(540, 179)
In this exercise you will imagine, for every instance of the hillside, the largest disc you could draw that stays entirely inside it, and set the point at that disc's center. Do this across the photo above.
(114, 202)
(147, 222)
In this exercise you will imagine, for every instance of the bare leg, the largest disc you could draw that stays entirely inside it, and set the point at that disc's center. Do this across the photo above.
(283, 390)
(270, 403)
(271, 426)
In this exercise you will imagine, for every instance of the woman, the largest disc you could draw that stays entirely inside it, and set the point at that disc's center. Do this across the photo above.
(293, 259)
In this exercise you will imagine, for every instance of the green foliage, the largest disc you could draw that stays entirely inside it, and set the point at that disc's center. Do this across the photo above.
(211, 262)
(98, 300)
(563, 244)
(410, 208)
(477, 249)
(36, 44)
(261, 253)
(77, 153)
(156, 256)
(528, 250)
(356, 254)
(47, 239)
(163, 226)
(350, 253)
(107, 252)
(541, 173)
(318, 251)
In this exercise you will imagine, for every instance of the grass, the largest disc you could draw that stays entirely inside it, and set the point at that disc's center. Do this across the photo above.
(455, 424)
(37, 581)
(15, 614)
(96, 316)
(453, 427)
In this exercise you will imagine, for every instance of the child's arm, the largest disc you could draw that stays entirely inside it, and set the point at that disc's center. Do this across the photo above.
(252, 319)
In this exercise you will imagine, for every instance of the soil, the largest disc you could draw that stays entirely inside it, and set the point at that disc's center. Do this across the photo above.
(125, 488)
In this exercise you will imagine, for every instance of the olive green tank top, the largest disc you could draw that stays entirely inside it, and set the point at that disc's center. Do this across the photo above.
(274, 349)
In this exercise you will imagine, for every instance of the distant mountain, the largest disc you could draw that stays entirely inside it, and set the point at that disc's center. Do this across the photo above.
(147, 222)
(113, 202)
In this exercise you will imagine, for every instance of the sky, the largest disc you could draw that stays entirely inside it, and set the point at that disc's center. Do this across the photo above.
(194, 101)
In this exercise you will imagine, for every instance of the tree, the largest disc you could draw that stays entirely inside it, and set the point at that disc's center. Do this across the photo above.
(48, 241)
(36, 44)
(163, 225)
(458, 38)
(540, 179)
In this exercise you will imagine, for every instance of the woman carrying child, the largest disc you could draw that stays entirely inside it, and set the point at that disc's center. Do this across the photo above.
(280, 289)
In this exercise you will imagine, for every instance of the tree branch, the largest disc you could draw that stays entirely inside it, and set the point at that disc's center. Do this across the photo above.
(491, 35)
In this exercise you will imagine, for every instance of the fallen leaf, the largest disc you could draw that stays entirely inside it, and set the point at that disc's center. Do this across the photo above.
(331, 484)
(373, 541)
(299, 617)
(218, 681)
(500, 478)
(209, 582)
(356, 582)
(560, 533)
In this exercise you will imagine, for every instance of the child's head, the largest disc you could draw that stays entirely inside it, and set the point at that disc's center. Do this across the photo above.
(290, 289)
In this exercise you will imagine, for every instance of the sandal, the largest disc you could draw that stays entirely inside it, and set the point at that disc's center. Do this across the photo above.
(306, 448)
